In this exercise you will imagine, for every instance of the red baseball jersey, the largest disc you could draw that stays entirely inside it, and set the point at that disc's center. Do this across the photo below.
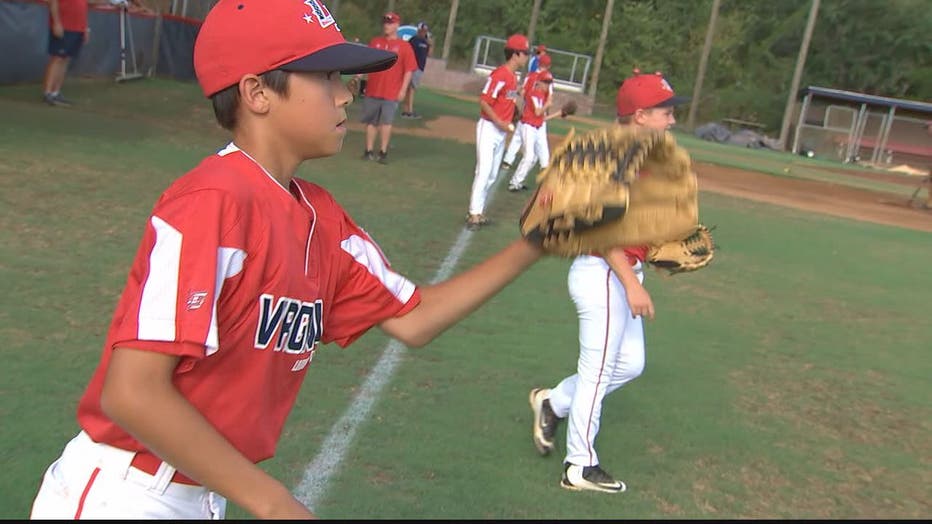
(73, 15)
(529, 80)
(637, 254)
(534, 99)
(242, 278)
(387, 84)
(500, 92)
(531, 77)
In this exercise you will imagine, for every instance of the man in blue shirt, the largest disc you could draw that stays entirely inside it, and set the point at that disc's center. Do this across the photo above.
(533, 64)
(422, 43)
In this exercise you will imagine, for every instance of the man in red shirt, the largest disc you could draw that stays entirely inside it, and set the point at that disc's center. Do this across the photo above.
(68, 31)
(496, 109)
(385, 89)
(242, 271)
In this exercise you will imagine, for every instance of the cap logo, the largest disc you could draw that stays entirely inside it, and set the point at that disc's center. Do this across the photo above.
(665, 85)
(320, 11)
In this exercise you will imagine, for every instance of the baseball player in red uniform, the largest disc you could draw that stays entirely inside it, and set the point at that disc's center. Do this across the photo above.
(241, 272)
(514, 145)
(533, 129)
(496, 108)
(384, 89)
(611, 303)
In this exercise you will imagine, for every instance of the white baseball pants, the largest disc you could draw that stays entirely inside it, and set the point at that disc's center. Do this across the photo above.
(514, 145)
(490, 145)
(611, 353)
(536, 149)
(95, 481)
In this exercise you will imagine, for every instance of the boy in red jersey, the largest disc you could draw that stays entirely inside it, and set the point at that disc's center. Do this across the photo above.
(242, 271)
(611, 303)
(496, 108)
(384, 89)
(533, 128)
(515, 144)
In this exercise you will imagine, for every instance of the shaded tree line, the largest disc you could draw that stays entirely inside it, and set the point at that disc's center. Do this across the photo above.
(880, 47)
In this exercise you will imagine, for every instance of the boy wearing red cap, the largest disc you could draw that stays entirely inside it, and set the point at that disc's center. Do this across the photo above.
(533, 128)
(384, 89)
(496, 109)
(611, 303)
(515, 144)
(242, 271)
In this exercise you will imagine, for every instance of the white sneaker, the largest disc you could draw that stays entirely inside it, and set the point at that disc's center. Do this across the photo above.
(545, 420)
(592, 478)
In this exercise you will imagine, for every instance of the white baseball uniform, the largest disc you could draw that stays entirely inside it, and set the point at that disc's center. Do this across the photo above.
(517, 140)
(499, 92)
(533, 132)
(611, 353)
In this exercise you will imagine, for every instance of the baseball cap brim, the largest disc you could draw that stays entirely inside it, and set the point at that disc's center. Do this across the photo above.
(674, 101)
(348, 58)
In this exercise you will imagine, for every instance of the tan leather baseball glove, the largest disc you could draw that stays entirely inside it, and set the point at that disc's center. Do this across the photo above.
(615, 186)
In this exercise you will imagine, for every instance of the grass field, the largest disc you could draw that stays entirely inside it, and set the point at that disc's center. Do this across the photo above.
(790, 379)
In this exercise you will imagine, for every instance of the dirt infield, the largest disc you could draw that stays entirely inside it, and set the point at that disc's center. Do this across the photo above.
(815, 196)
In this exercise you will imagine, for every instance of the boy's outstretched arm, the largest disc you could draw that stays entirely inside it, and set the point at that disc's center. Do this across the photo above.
(138, 394)
(446, 303)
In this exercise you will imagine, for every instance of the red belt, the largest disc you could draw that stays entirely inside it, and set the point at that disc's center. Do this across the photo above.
(149, 463)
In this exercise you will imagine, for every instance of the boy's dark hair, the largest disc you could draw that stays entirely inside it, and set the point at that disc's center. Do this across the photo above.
(511, 52)
(226, 102)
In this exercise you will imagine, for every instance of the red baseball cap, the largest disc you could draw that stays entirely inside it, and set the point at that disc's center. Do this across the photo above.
(241, 37)
(541, 48)
(517, 42)
(545, 76)
(544, 60)
(645, 91)
(391, 18)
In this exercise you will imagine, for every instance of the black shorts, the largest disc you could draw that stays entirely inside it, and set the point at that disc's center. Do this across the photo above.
(67, 46)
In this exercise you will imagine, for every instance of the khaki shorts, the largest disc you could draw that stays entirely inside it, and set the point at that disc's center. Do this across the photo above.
(378, 111)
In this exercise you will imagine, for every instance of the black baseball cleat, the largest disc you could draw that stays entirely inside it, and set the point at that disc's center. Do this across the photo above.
(383, 157)
(545, 421)
(516, 189)
(592, 478)
(505, 165)
(368, 155)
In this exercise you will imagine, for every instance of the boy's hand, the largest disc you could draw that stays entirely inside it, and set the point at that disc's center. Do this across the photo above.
(639, 301)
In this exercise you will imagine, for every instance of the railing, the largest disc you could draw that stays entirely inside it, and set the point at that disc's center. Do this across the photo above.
(570, 70)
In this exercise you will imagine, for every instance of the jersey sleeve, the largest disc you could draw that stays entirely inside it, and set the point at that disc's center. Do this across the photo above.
(369, 290)
(190, 248)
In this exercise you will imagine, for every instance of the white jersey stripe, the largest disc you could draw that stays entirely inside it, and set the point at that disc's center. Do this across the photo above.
(157, 308)
(367, 254)
(229, 264)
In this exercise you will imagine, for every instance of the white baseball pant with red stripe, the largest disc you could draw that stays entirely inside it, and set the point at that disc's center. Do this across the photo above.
(490, 146)
(95, 481)
(611, 353)
(536, 149)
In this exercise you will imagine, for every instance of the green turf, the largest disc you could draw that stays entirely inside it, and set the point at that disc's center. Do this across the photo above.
(788, 380)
